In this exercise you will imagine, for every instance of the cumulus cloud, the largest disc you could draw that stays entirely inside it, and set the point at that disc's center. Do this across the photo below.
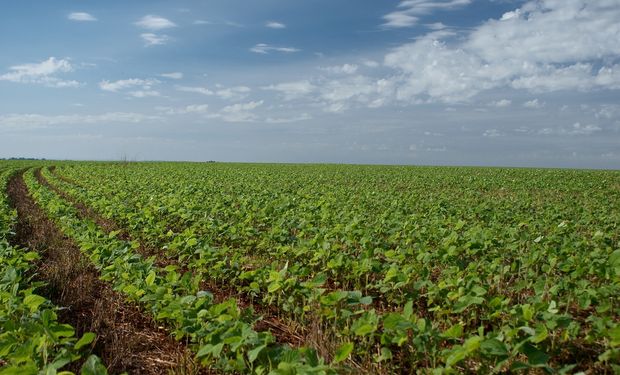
(264, 49)
(152, 39)
(41, 73)
(81, 16)
(545, 45)
(275, 25)
(154, 23)
(410, 11)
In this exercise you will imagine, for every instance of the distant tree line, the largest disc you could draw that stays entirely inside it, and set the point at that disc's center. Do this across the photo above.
(22, 159)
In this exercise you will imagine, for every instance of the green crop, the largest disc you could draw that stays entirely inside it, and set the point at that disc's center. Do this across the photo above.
(372, 268)
(32, 340)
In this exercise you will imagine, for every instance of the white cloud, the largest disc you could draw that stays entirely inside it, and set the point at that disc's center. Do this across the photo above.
(264, 49)
(123, 84)
(608, 112)
(152, 39)
(201, 22)
(41, 73)
(337, 107)
(151, 22)
(81, 16)
(233, 93)
(240, 107)
(25, 121)
(578, 129)
(400, 19)
(192, 108)
(275, 25)
(229, 93)
(240, 112)
(370, 63)
(501, 103)
(144, 93)
(341, 69)
(437, 26)
(546, 45)
(410, 11)
(293, 90)
(338, 95)
(196, 90)
(173, 75)
(197, 108)
(492, 133)
(358, 87)
(432, 70)
(551, 32)
(286, 120)
(575, 130)
(534, 103)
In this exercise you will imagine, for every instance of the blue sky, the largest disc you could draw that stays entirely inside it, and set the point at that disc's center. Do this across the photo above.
(447, 82)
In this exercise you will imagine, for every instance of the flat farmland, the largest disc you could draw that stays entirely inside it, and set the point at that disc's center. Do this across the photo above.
(308, 269)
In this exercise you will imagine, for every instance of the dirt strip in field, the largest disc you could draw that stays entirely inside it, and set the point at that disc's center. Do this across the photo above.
(127, 340)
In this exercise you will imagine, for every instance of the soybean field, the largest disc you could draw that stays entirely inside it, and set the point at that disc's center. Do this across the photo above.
(111, 267)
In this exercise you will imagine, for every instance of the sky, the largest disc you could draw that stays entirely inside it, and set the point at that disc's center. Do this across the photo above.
(531, 83)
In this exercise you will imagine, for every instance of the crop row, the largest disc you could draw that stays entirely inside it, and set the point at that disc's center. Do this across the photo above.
(221, 333)
(32, 340)
(401, 266)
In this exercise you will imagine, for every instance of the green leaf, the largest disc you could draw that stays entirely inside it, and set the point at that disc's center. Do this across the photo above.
(408, 310)
(33, 302)
(493, 348)
(343, 352)
(364, 329)
(614, 335)
(86, 339)
(454, 332)
(535, 356)
(541, 334)
(93, 366)
(253, 354)
(528, 312)
(211, 349)
(150, 279)
(30, 256)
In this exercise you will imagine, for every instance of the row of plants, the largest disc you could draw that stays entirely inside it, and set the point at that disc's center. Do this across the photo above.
(221, 334)
(32, 340)
(489, 257)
